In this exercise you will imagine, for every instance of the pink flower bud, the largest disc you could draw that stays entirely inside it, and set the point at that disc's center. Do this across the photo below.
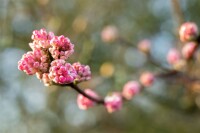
(61, 72)
(41, 39)
(113, 102)
(144, 45)
(61, 48)
(85, 103)
(173, 56)
(188, 32)
(34, 61)
(130, 89)
(39, 34)
(109, 34)
(147, 79)
(83, 72)
(188, 50)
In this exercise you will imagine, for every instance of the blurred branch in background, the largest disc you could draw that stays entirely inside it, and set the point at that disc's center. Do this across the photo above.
(177, 14)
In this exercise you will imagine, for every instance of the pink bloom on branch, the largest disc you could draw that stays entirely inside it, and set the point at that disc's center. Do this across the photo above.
(61, 48)
(147, 79)
(109, 34)
(188, 32)
(173, 56)
(130, 89)
(39, 34)
(113, 102)
(61, 72)
(41, 39)
(34, 61)
(144, 45)
(83, 72)
(188, 50)
(85, 103)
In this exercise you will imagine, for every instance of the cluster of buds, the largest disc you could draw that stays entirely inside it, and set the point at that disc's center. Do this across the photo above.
(189, 35)
(114, 101)
(48, 60)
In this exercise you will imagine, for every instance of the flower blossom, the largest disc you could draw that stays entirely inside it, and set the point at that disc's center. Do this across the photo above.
(41, 39)
(34, 61)
(83, 72)
(173, 56)
(188, 32)
(113, 102)
(61, 48)
(61, 72)
(188, 50)
(147, 79)
(48, 60)
(130, 89)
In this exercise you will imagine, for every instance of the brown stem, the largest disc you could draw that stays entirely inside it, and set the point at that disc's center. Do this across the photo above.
(76, 88)
(178, 75)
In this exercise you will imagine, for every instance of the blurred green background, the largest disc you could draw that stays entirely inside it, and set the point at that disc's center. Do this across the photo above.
(26, 106)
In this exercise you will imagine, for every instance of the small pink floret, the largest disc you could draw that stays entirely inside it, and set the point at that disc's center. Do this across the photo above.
(109, 34)
(144, 45)
(173, 56)
(188, 50)
(147, 79)
(130, 89)
(188, 32)
(113, 102)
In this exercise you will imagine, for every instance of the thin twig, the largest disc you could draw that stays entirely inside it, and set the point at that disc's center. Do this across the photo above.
(148, 55)
(76, 88)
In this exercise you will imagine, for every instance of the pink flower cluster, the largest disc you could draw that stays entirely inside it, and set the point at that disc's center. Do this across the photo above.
(61, 47)
(83, 72)
(41, 39)
(114, 101)
(189, 35)
(36, 61)
(61, 72)
(48, 60)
